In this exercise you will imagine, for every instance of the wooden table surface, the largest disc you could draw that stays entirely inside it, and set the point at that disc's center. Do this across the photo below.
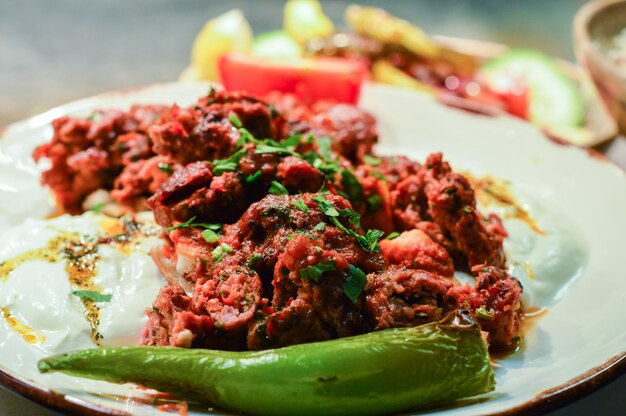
(52, 52)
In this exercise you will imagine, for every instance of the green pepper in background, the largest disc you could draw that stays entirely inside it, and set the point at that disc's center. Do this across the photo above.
(387, 371)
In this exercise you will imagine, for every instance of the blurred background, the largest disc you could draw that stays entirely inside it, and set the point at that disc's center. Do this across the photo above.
(52, 52)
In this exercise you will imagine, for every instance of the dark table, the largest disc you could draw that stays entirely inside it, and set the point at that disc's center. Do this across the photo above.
(52, 52)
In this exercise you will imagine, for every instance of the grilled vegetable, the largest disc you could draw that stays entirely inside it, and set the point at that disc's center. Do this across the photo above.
(380, 372)
(555, 101)
(225, 33)
(311, 79)
(276, 45)
(305, 19)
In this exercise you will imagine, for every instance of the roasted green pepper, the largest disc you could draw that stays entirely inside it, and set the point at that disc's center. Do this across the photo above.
(380, 372)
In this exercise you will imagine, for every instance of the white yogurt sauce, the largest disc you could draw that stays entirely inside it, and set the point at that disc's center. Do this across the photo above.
(39, 314)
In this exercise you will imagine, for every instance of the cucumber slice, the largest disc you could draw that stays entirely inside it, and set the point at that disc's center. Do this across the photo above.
(276, 45)
(556, 101)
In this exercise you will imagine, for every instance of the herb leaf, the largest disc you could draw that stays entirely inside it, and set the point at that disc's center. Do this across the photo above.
(369, 241)
(232, 117)
(374, 203)
(316, 271)
(210, 236)
(98, 207)
(165, 167)
(277, 188)
(221, 251)
(352, 186)
(267, 148)
(299, 203)
(372, 160)
(92, 295)
(392, 235)
(483, 313)
(254, 177)
(253, 260)
(191, 224)
(326, 207)
(229, 164)
(320, 226)
(324, 146)
(355, 283)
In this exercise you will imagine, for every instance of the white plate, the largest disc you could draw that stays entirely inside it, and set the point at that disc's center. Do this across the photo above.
(579, 200)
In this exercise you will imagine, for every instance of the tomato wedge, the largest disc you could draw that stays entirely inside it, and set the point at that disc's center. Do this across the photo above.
(311, 79)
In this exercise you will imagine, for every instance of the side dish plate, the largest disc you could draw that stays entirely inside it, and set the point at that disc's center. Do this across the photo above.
(577, 345)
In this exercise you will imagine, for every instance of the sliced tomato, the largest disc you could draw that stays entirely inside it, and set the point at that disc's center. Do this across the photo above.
(311, 79)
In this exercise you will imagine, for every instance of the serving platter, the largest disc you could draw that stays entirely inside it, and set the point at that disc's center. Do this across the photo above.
(572, 273)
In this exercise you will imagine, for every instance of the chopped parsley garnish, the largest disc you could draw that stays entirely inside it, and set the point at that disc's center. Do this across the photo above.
(483, 313)
(299, 203)
(221, 251)
(316, 271)
(98, 207)
(291, 141)
(378, 175)
(326, 207)
(229, 164)
(369, 241)
(234, 120)
(268, 148)
(372, 160)
(92, 295)
(374, 203)
(277, 188)
(254, 177)
(210, 236)
(165, 167)
(392, 235)
(320, 226)
(191, 224)
(355, 283)
(351, 186)
(323, 147)
(253, 260)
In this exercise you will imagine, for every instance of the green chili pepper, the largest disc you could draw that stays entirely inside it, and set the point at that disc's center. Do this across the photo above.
(387, 371)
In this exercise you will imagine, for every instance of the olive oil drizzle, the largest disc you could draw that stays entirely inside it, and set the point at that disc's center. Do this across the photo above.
(28, 333)
(490, 191)
(81, 259)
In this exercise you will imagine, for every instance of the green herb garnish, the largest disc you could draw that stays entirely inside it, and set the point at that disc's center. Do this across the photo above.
(369, 241)
(210, 236)
(355, 283)
(352, 186)
(165, 167)
(299, 203)
(483, 313)
(221, 251)
(379, 175)
(277, 188)
(254, 177)
(392, 235)
(253, 260)
(229, 164)
(374, 203)
(92, 295)
(98, 207)
(372, 160)
(234, 120)
(316, 271)
(191, 224)
(320, 226)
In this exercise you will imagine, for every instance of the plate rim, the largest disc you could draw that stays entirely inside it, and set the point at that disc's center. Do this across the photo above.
(550, 399)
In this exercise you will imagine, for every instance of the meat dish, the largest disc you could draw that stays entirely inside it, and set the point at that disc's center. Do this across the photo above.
(282, 226)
